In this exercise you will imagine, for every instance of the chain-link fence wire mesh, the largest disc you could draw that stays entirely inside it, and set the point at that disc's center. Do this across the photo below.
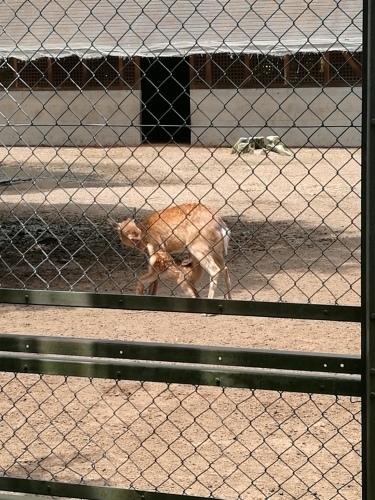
(224, 442)
(99, 122)
(96, 120)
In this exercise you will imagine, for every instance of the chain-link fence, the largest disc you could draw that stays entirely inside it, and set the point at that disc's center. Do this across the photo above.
(217, 438)
(115, 110)
(294, 222)
(176, 129)
(180, 439)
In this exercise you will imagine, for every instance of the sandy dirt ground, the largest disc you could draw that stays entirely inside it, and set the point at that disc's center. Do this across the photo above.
(295, 226)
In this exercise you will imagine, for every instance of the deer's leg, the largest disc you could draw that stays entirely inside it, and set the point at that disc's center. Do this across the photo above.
(227, 281)
(153, 288)
(187, 287)
(194, 275)
(192, 271)
(213, 284)
(212, 263)
(140, 288)
(146, 280)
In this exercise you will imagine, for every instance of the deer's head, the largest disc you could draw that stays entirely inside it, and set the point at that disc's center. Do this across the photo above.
(129, 232)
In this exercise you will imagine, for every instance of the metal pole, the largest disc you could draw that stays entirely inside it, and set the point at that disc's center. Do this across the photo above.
(368, 253)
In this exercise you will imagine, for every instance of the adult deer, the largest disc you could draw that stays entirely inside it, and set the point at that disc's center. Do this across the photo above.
(190, 226)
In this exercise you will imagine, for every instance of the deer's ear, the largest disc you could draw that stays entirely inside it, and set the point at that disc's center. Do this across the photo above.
(133, 212)
(114, 224)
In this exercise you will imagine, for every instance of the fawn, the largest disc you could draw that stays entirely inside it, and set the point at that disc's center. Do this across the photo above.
(163, 265)
(190, 226)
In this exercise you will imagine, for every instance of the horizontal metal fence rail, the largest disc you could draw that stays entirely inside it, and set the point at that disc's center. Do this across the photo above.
(226, 377)
(317, 312)
(234, 374)
(180, 353)
(51, 488)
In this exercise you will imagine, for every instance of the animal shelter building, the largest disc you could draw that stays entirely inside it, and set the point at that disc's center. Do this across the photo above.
(100, 73)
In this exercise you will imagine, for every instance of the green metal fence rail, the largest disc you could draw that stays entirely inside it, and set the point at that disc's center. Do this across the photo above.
(322, 312)
(227, 376)
(175, 353)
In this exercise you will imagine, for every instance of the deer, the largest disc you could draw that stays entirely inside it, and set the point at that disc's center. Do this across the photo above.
(163, 265)
(191, 226)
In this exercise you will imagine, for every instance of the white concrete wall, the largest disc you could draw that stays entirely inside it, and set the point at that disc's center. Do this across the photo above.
(70, 118)
(302, 117)
(305, 116)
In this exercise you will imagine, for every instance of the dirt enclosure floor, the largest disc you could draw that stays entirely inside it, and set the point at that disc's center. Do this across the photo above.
(294, 237)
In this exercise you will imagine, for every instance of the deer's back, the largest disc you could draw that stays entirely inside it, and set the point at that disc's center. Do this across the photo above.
(177, 226)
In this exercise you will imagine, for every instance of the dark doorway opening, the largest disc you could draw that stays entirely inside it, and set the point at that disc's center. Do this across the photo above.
(165, 100)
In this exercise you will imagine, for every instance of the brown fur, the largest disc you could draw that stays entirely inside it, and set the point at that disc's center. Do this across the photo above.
(190, 226)
(162, 265)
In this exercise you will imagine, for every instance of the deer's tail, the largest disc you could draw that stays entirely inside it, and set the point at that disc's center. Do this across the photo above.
(226, 237)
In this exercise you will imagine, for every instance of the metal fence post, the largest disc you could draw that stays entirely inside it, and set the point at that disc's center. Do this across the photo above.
(368, 254)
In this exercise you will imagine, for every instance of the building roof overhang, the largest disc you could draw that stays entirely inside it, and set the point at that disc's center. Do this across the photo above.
(127, 28)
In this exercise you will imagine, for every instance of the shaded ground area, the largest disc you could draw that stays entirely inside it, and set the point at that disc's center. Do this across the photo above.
(295, 237)
(294, 221)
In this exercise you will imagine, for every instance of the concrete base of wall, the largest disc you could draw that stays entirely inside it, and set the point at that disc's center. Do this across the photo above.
(70, 118)
(311, 117)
